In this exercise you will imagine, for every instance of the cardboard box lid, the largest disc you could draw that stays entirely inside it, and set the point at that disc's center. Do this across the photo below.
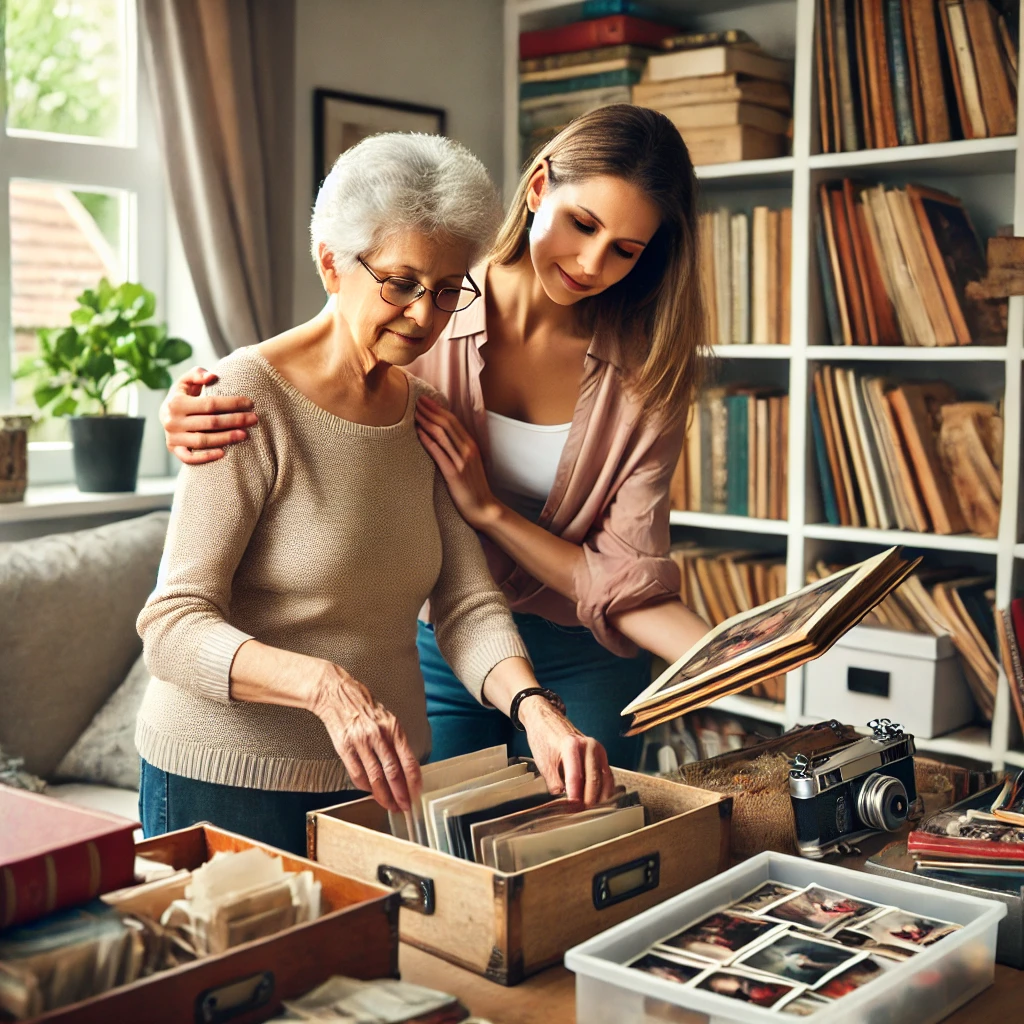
(896, 642)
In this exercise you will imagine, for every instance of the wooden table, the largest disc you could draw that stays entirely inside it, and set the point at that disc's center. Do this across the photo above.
(551, 995)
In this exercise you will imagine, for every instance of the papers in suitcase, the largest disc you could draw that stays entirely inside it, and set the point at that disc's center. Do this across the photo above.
(501, 876)
(210, 923)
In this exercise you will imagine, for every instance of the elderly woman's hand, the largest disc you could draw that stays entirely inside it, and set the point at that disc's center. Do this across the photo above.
(196, 426)
(368, 738)
(566, 758)
(458, 457)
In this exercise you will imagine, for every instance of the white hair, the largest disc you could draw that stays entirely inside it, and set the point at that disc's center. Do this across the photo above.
(399, 181)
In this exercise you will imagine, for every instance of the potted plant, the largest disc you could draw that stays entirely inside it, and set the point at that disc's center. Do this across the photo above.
(110, 344)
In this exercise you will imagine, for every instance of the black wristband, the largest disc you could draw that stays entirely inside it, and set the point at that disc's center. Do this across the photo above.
(549, 695)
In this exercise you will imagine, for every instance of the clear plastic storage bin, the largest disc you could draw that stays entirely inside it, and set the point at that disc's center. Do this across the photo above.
(921, 990)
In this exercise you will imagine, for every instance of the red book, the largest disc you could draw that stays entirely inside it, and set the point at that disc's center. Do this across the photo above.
(1017, 615)
(54, 855)
(613, 30)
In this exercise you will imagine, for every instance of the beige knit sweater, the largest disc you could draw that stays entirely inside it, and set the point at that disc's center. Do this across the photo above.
(318, 536)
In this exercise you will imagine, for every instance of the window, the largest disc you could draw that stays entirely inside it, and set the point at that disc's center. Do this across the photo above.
(80, 165)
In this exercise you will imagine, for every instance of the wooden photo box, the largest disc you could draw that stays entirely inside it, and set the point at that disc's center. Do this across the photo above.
(507, 926)
(356, 935)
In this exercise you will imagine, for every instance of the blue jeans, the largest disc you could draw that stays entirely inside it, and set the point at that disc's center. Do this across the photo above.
(168, 802)
(594, 683)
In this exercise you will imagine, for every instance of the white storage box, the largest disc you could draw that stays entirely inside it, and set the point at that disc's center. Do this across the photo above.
(910, 678)
(921, 990)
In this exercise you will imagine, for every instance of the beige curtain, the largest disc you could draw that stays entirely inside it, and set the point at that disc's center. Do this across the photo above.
(223, 76)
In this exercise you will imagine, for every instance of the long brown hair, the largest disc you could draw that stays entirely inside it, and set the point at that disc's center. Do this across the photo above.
(657, 310)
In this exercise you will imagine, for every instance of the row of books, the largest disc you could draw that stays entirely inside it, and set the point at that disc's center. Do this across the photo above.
(909, 456)
(734, 458)
(746, 263)
(730, 100)
(702, 735)
(903, 72)
(945, 600)
(895, 268)
(718, 583)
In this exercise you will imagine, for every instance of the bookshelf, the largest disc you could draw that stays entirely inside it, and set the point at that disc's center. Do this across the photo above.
(988, 174)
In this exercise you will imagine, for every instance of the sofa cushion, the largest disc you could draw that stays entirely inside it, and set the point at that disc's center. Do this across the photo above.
(105, 753)
(68, 604)
(100, 798)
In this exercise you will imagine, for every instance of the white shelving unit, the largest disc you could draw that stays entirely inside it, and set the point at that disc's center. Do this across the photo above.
(989, 176)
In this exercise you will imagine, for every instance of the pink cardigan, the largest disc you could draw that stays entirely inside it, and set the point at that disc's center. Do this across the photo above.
(610, 493)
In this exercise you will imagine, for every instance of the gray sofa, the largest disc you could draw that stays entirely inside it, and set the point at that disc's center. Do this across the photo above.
(71, 672)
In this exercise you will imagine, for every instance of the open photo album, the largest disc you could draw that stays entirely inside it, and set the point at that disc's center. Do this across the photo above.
(776, 637)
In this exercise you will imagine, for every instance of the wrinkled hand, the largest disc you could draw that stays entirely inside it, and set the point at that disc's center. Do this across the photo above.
(458, 457)
(369, 740)
(567, 759)
(198, 426)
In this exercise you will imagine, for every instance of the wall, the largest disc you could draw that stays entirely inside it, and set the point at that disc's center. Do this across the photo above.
(442, 53)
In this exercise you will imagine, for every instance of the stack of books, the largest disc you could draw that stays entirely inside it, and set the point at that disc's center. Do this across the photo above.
(907, 456)
(980, 844)
(895, 264)
(572, 69)
(945, 600)
(746, 263)
(733, 461)
(729, 99)
(719, 583)
(903, 72)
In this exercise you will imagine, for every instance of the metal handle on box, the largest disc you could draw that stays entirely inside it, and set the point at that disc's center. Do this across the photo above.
(626, 881)
(415, 891)
(219, 1004)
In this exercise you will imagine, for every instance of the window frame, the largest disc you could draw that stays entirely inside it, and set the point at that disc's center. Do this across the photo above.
(133, 165)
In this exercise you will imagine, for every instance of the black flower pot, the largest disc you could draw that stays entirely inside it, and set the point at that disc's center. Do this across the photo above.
(107, 450)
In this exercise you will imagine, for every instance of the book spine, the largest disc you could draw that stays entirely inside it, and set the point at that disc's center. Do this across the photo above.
(827, 285)
(847, 109)
(32, 888)
(901, 92)
(925, 38)
(588, 35)
(601, 80)
(732, 484)
(827, 487)
(785, 274)
(999, 105)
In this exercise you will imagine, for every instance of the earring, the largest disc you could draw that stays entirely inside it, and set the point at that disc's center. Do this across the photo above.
(529, 219)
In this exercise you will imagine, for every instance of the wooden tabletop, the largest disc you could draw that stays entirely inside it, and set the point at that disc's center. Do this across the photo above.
(551, 995)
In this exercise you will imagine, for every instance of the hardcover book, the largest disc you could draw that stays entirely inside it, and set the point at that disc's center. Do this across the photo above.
(774, 638)
(55, 855)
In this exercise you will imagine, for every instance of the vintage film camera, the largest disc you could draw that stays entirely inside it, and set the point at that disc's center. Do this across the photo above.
(865, 787)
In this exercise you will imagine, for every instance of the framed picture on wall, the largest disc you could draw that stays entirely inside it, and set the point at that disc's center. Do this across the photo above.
(341, 119)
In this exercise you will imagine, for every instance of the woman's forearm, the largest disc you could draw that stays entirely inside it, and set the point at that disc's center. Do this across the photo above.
(668, 629)
(268, 675)
(505, 680)
(544, 556)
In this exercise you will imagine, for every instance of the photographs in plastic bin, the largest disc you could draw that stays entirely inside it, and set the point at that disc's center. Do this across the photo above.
(791, 950)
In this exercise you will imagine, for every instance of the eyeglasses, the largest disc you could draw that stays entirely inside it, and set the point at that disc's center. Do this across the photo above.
(403, 292)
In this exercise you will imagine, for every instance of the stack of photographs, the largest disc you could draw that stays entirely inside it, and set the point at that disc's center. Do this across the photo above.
(793, 951)
(480, 808)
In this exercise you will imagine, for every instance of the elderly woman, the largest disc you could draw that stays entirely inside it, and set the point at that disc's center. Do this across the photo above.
(282, 636)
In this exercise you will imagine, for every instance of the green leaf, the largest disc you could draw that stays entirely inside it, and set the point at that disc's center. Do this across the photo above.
(46, 393)
(105, 291)
(98, 365)
(157, 378)
(67, 344)
(175, 350)
(83, 316)
(130, 298)
(65, 407)
(88, 300)
(128, 350)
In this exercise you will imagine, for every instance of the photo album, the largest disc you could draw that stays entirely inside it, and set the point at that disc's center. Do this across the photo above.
(776, 637)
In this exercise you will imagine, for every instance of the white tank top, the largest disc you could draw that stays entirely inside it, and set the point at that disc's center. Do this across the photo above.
(524, 460)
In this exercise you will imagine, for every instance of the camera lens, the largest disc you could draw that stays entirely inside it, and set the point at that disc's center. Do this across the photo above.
(882, 802)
